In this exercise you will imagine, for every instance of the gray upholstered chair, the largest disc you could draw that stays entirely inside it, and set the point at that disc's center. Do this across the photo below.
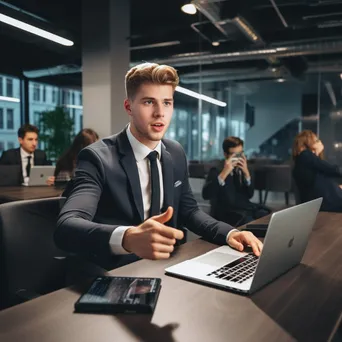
(30, 263)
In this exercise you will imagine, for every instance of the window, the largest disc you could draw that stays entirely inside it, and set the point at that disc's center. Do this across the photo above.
(54, 96)
(9, 86)
(36, 119)
(1, 118)
(10, 145)
(44, 93)
(2, 146)
(73, 98)
(80, 99)
(65, 97)
(36, 92)
(1, 88)
(10, 118)
(81, 122)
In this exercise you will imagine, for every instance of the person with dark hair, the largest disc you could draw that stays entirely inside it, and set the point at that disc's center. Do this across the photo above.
(27, 154)
(66, 164)
(130, 197)
(313, 176)
(231, 189)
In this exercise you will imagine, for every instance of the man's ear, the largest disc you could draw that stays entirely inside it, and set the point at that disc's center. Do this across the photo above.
(127, 106)
(20, 140)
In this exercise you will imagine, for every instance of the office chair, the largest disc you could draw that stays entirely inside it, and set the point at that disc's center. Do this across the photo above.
(30, 263)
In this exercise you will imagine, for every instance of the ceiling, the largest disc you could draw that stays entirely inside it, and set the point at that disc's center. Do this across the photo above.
(259, 40)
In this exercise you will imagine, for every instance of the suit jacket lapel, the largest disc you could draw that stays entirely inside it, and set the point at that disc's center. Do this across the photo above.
(129, 165)
(168, 180)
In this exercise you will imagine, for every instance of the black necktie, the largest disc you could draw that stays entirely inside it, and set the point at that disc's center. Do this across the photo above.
(28, 166)
(155, 185)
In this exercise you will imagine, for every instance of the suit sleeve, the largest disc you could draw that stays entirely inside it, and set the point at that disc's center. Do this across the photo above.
(196, 220)
(5, 160)
(322, 166)
(75, 230)
(249, 189)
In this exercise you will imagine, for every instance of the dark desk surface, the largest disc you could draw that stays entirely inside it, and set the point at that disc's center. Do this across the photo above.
(304, 304)
(18, 193)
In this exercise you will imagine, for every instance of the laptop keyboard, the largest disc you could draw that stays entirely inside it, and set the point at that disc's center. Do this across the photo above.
(237, 271)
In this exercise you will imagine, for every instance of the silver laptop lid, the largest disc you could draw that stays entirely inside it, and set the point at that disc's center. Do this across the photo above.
(286, 240)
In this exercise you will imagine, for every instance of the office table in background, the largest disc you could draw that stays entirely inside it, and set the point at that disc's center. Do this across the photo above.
(19, 193)
(303, 304)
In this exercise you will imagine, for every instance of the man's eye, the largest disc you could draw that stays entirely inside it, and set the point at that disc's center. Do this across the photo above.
(148, 102)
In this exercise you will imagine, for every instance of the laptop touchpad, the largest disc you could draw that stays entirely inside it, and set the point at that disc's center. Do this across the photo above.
(217, 259)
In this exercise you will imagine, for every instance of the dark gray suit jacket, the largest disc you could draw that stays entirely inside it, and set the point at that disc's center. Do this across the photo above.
(105, 193)
(13, 157)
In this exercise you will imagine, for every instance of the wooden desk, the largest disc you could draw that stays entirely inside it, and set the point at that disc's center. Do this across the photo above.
(303, 305)
(19, 193)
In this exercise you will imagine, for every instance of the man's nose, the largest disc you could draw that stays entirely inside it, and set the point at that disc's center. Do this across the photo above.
(158, 110)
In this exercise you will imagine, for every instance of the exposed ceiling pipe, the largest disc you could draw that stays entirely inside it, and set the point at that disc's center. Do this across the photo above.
(285, 51)
(57, 70)
(282, 19)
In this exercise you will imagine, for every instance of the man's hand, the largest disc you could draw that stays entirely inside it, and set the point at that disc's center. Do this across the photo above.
(242, 164)
(227, 168)
(340, 186)
(237, 240)
(50, 180)
(152, 239)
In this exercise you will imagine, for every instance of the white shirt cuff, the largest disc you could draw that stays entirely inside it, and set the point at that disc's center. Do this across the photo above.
(221, 181)
(115, 241)
(231, 231)
(248, 181)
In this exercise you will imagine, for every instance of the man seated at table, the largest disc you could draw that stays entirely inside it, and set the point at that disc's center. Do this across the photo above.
(231, 189)
(132, 188)
(27, 154)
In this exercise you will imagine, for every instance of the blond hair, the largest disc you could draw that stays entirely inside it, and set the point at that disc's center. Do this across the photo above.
(304, 141)
(149, 73)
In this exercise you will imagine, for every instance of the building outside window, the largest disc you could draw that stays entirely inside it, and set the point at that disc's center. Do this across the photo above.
(1, 87)
(1, 118)
(9, 87)
(44, 93)
(10, 118)
(2, 146)
(36, 92)
(10, 145)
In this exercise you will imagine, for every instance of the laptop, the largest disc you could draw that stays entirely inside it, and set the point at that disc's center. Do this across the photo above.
(284, 245)
(10, 175)
(39, 175)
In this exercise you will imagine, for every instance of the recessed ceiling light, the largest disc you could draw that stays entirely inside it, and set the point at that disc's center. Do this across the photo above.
(215, 43)
(189, 9)
(341, 76)
(281, 80)
(274, 69)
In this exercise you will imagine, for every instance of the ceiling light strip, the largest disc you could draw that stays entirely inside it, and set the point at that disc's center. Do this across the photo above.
(200, 96)
(35, 30)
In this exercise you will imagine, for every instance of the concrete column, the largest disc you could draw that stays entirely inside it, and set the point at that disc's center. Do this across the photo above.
(105, 61)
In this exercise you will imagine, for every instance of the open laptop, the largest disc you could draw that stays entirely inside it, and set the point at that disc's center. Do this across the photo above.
(10, 175)
(40, 174)
(284, 245)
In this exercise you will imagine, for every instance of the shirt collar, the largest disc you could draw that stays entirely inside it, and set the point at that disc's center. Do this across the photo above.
(25, 154)
(140, 150)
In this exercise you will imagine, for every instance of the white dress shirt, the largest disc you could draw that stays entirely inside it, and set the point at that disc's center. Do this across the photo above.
(24, 161)
(143, 164)
(140, 153)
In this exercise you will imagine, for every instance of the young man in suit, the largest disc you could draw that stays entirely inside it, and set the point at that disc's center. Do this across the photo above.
(27, 154)
(231, 189)
(131, 193)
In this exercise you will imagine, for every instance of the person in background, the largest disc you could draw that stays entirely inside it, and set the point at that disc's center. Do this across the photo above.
(313, 176)
(66, 164)
(231, 189)
(27, 155)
